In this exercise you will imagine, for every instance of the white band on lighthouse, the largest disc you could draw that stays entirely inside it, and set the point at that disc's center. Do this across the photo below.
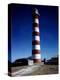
(36, 38)
(37, 56)
(36, 29)
(36, 20)
(36, 47)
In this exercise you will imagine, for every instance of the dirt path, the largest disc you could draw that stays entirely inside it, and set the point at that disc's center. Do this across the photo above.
(27, 70)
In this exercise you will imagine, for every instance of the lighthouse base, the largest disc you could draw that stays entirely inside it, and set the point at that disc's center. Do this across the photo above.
(36, 60)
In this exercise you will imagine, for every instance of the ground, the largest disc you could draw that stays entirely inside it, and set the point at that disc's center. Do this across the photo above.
(46, 69)
(36, 69)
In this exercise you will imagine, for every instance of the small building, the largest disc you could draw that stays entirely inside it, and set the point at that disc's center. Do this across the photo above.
(30, 62)
(23, 62)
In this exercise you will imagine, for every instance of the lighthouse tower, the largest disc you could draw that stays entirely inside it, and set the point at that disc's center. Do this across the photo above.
(36, 56)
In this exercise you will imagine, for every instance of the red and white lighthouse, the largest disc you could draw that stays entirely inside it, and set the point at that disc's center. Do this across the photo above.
(36, 55)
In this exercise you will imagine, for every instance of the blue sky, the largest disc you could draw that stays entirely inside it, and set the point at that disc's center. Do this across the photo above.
(21, 31)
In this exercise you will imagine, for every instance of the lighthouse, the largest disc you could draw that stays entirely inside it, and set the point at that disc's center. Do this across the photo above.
(36, 55)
